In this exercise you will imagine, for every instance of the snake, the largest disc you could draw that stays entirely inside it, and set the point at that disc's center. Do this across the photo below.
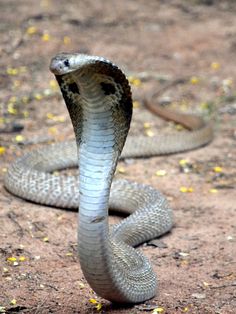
(98, 97)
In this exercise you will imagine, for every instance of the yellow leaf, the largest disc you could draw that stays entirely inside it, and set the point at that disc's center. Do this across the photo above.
(31, 30)
(60, 119)
(99, 306)
(158, 310)
(11, 259)
(69, 254)
(146, 125)
(19, 138)
(12, 71)
(53, 84)
(121, 170)
(13, 99)
(213, 191)
(206, 284)
(52, 130)
(50, 115)
(218, 169)
(2, 150)
(161, 173)
(22, 258)
(66, 40)
(149, 133)
(46, 37)
(194, 80)
(93, 301)
(11, 109)
(136, 104)
(204, 105)
(179, 127)
(183, 162)
(215, 65)
(13, 302)
(25, 99)
(81, 285)
(26, 114)
(183, 189)
(2, 120)
(134, 81)
(38, 96)
(45, 239)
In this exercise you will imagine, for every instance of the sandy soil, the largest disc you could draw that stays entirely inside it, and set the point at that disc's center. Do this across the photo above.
(190, 40)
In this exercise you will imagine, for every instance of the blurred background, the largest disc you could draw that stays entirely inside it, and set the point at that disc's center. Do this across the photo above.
(182, 50)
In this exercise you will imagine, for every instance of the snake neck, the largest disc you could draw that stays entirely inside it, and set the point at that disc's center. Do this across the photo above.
(98, 99)
(96, 172)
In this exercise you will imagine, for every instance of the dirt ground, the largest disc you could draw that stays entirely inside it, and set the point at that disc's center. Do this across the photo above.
(193, 42)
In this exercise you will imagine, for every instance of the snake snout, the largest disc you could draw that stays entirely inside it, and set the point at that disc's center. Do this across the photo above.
(60, 65)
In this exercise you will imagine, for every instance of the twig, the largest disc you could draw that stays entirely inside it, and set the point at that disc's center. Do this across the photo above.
(233, 284)
(12, 216)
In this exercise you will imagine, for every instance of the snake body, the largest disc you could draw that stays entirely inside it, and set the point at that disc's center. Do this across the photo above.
(98, 98)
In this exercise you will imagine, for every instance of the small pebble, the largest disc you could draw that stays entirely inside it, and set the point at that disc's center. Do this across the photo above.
(199, 295)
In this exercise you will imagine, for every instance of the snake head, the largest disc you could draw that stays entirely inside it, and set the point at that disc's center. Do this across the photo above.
(61, 64)
(64, 63)
(94, 84)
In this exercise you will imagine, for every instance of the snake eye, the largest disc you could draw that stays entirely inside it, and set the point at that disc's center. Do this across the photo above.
(67, 63)
(108, 88)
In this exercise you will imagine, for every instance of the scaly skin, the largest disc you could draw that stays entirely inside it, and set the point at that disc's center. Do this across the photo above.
(98, 98)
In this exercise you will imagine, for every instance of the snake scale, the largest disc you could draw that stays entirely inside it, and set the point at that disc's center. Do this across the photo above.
(98, 98)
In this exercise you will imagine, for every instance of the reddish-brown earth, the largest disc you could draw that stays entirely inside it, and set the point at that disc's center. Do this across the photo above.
(190, 40)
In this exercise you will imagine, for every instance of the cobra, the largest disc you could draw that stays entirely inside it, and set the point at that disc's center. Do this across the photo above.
(98, 98)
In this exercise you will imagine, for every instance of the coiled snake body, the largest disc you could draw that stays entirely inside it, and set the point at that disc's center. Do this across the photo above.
(98, 98)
